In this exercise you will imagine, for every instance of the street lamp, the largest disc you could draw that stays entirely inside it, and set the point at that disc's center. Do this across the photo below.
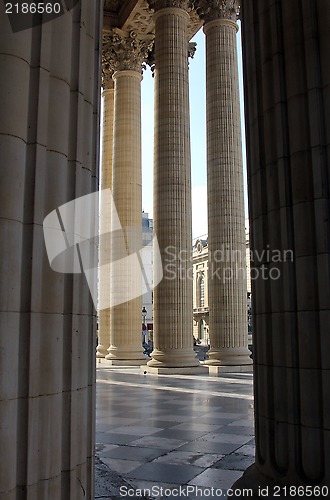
(144, 315)
(144, 326)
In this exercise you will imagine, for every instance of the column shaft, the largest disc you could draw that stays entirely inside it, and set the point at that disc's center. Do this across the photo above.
(226, 231)
(172, 194)
(105, 221)
(287, 85)
(125, 275)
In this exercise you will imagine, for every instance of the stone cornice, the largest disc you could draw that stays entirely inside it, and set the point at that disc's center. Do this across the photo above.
(211, 10)
(140, 18)
(124, 51)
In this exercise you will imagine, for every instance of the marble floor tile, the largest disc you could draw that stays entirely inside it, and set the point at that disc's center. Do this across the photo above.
(247, 450)
(151, 489)
(218, 478)
(190, 426)
(133, 453)
(173, 431)
(158, 442)
(219, 437)
(209, 447)
(113, 438)
(243, 431)
(235, 461)
(137, 430)
(190, 458)
(183, 435)
(157, 422)
(121, 466)
(163, 472)
(247, 422)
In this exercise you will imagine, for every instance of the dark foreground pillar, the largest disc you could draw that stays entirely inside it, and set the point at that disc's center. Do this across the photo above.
(287, 88)
(49, 122)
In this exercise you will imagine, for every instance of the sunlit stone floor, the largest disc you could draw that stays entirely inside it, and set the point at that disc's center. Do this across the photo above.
(161, 433)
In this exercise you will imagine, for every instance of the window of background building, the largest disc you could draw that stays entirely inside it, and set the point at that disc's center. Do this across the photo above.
(201, 292)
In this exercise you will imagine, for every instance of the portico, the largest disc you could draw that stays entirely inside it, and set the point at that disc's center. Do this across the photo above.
(49, 138)
(171, 26)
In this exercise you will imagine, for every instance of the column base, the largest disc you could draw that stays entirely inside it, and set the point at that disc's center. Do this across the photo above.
(123, 362)
(125, 356)
(253, 480)
(216, 370)
(231, 356)
(192, 370)
(263, 486)
(128, 363)
(101, 351)
(173, 358)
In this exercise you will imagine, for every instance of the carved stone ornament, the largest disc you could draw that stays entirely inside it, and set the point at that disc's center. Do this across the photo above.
(163, 4)
(124, 51)
(210, 10)
(192, 47)
(107, 71)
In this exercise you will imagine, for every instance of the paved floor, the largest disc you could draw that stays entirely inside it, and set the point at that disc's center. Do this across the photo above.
(162, 433)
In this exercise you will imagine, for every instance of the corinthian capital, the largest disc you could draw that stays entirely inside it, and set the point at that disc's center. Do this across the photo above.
(209, 10)
(163, 4)
(124, 51)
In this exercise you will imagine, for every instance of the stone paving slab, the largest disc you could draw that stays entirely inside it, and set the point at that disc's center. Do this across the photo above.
(160, 434)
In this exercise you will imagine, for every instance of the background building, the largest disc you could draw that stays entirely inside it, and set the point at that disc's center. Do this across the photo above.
(200, 287)
(147, 298)
(200, 291)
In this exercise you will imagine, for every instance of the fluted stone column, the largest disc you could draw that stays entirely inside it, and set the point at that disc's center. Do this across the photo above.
(226, 222)
(49, 156)
(126, 275)
(286, 51)
(173, 346)
(105, 207)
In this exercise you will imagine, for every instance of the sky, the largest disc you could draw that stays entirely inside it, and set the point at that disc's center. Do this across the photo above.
(198, 136)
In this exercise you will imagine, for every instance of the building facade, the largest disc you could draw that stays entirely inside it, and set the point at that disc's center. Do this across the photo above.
(148, 260)
(200, 258)
(200, 292)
